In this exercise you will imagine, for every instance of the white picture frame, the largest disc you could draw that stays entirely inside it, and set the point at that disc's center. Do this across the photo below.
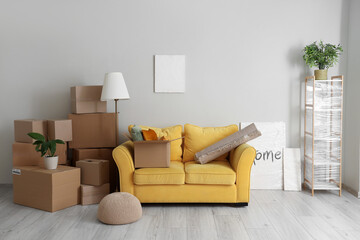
(169, 74)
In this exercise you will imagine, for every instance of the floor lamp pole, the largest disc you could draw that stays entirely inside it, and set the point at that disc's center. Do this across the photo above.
(116, 122)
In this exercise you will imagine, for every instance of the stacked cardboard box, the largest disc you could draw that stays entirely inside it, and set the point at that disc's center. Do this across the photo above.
(99, 153)
(33, 185)
(86, 99)
(93, 130)
(48, 190)
(24, 153)
(94, 180)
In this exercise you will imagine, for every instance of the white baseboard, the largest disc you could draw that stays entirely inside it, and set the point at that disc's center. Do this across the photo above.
(350, 190)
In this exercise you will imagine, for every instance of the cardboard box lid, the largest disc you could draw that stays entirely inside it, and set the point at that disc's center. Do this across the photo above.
(40, 170)
(29, 120)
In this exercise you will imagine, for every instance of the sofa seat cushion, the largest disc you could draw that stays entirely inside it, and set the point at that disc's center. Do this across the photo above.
(175, 174)
(215, 172)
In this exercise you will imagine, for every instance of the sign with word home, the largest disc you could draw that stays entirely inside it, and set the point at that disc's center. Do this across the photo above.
(267, 170)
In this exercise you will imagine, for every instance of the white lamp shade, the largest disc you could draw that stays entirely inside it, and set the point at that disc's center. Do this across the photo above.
(114, 87)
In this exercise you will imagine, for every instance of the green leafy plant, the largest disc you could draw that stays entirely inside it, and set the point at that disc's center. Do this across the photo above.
(322, 55)
(47, 148)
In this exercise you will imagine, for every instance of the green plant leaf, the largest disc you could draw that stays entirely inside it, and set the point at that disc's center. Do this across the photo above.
(36, 136)
(37, 142)
(322, 55)
(38, 148)
(44, 148)
(52, 147)
(59, 141)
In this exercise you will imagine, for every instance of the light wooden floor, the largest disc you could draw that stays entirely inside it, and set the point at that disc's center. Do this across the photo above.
(270, 215)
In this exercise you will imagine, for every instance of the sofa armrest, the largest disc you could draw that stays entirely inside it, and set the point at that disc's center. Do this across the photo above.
(241, 160)
(123, 157)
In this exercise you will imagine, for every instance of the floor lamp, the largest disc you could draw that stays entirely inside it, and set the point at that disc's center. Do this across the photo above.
(114, 88)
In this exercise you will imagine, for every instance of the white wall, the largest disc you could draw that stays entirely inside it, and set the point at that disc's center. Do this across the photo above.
(352, 99)
(244, 59)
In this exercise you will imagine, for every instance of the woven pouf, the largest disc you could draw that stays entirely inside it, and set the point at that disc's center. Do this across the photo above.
(119, 208)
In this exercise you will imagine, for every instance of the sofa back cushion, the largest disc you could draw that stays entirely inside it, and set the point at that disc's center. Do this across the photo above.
(198, 138)
(170, 133)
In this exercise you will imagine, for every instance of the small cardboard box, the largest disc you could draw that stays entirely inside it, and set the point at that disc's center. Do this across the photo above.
(93, 171)
(23, 127)
(100, 153)
(60, 129)
(93, 194)
(24, 154)
(93, 130)
(152, 154)
(49, 190)
(86, 99)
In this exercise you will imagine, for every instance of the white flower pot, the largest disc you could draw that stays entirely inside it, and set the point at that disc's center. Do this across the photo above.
(51, 162)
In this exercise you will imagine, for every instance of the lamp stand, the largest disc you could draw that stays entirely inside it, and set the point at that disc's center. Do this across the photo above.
(116, 122)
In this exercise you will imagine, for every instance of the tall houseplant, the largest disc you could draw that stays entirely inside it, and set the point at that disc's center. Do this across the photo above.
(47, 149)
(323, 56)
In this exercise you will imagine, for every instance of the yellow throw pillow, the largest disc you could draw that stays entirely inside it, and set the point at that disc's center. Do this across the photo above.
(198, 138)
(168, 133)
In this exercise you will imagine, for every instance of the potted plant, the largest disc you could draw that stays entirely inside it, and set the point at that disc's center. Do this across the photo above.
(47, 149)
(323, 56)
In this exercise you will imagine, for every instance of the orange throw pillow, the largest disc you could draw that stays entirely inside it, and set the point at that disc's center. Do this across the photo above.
(149, 135)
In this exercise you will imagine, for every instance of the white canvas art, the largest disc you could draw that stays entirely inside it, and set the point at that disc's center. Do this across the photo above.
(170, 73)
(267, 170)
(292, 169)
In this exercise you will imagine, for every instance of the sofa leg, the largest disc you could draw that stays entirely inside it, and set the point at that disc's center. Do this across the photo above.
(241, 204)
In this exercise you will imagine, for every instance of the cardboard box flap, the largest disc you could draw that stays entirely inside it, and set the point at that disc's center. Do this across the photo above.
(86, 93)
(152, 141)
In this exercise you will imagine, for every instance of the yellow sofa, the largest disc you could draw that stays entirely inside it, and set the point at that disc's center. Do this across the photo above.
(189, 182)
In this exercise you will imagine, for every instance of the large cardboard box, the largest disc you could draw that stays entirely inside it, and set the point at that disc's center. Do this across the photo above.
(24, 154)
(93, 171)
(93, 194)
(60, 129)
(93, 130)
(86, 99)
(23, 127)
(100, 153)
(152, 154)
(49, 190)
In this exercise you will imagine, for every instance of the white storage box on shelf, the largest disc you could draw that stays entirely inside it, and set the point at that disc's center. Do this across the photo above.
(323, 133)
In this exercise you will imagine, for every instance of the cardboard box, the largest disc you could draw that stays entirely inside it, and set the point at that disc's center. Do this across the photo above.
(86, 99)
(23, 127)
(60, 129)
(152, 154)
(100, 153)
(93, 194)
(93, 171)
(93, 130)
(24, 154)
(49, 190)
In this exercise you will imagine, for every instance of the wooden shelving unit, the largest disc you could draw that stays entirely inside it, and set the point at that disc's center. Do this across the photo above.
(323, 133)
